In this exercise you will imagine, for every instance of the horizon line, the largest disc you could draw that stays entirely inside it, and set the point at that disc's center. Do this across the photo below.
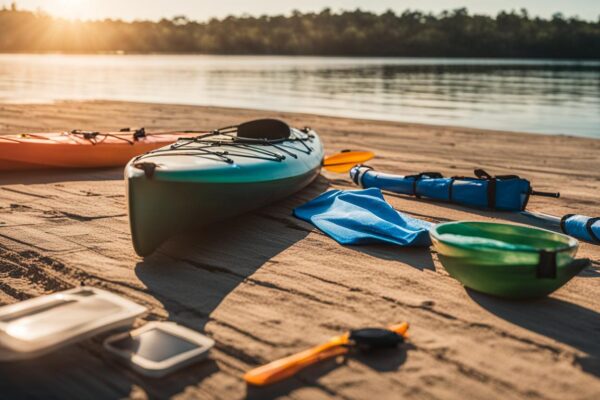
(291, 12)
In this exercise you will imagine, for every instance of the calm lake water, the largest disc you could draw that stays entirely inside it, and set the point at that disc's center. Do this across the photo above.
(519, 95)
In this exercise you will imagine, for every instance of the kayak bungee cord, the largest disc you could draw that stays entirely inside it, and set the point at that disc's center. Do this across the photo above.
(247, 147)
(186, 146)
(136, 135)
(92, 136)
(242, 142)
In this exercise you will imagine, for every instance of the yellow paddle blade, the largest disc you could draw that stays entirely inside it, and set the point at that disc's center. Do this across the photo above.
(344, 161)
(289, 366)
(401, 329)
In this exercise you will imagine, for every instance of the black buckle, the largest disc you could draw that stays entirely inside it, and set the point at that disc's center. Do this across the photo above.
(482, 174)
(139, 133)
(547, 265)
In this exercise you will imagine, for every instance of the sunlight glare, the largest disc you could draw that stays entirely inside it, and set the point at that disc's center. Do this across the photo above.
(72, 9)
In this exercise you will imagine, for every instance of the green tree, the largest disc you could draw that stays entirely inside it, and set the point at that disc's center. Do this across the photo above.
(455, 33)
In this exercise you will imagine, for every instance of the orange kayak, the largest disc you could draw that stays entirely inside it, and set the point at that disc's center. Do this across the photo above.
(78, 149)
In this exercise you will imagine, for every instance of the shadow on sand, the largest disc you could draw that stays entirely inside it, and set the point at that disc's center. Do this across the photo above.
(416, 257)
(60, 175)
(192, 273)
(556, 319)
(81, 372)
(382, 360)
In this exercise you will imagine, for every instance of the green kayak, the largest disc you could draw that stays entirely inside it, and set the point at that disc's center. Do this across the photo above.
(217, 175)
(506, 260)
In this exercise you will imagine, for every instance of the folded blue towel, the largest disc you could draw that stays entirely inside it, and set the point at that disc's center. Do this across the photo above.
(362, 217)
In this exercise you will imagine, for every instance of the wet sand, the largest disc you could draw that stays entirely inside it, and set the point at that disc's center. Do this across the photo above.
(266, 285)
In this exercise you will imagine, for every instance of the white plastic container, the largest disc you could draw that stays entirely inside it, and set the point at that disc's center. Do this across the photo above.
(37, 326)
(159, 348)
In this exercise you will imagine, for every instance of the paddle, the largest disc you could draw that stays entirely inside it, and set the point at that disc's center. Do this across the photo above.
(338, 345)
(345, 160)
(579, 226)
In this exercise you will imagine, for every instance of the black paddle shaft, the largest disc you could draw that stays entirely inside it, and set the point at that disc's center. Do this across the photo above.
(555, 195)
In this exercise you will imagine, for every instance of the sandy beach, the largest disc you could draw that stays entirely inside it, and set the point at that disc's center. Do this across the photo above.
(266, 284)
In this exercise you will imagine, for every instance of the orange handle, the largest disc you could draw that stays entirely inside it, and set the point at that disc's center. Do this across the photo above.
(288, 366)
(344, 161)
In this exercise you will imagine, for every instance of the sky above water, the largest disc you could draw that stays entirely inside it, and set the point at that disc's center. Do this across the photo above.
(205, 9)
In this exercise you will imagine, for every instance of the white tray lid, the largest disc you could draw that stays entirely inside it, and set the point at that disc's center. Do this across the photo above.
(46, 322)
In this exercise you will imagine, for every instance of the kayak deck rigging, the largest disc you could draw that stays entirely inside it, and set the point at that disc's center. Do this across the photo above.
(92, 136)
(210, 144)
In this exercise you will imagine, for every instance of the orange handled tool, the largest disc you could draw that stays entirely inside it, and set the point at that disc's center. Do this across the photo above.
(363, 338)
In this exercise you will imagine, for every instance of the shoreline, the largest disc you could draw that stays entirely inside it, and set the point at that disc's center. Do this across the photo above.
(243, 110)
(452, 58)
(265, 285)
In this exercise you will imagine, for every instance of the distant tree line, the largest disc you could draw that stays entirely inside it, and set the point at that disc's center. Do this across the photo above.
(351, 33)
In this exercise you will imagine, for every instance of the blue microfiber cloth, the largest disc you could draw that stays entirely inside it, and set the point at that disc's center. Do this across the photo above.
(362, 217)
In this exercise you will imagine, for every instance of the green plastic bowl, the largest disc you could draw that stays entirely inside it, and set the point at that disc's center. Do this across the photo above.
(506, 260)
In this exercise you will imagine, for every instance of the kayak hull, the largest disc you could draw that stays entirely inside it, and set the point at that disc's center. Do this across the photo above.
(160, 210)
(63, 150)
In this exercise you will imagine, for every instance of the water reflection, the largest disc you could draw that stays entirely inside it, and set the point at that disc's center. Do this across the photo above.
(521, 95)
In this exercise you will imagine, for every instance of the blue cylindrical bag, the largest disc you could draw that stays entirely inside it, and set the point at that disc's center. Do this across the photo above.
(581, 227)
(505, 193)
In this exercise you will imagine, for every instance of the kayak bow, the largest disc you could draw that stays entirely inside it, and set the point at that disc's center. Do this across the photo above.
(208, 178)
(78, 149)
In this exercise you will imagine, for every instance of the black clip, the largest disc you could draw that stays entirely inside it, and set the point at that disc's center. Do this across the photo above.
(139, 133)
(89, 135)
(547, 265)
(482, 174)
